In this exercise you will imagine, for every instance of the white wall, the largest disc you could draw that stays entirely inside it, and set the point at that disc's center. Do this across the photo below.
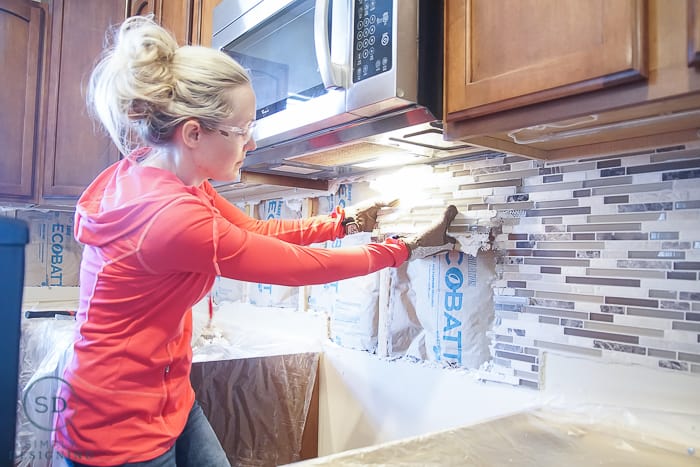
(366, 401)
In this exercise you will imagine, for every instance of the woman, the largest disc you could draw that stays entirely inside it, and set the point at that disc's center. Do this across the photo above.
(156, 234)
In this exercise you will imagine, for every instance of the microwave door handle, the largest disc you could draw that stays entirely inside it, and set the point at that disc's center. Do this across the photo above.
(323, 50)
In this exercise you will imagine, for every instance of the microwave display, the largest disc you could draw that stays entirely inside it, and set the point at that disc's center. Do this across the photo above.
(372, 39)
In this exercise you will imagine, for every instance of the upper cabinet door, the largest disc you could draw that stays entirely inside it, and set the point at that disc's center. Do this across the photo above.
(77, 149)
(21, 53)
(503, 54)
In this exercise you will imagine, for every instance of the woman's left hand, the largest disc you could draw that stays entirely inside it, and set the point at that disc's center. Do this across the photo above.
(365, 214)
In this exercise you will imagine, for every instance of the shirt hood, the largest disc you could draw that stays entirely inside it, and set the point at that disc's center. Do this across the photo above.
(123, 198)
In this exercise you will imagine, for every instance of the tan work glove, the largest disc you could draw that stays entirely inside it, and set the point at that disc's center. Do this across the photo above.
(364, 215)
(434, 240)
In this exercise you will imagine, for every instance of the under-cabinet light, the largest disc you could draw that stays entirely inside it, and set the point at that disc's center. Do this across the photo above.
(550, 133)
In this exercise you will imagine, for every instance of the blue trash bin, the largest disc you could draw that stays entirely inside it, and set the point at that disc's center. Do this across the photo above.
(14, 235)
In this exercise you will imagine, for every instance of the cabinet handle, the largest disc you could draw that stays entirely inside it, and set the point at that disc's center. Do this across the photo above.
(142, 8)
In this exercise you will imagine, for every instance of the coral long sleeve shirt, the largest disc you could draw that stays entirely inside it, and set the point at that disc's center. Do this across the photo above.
(152, 249)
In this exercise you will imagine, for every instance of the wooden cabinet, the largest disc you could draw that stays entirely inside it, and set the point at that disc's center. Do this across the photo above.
(566, 78)
(76, 148)
(51, 148)
(189, 20)
(694, 32)
(22, 53)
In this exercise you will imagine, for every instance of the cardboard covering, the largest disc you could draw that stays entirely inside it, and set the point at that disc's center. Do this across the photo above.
(52, 255)
(352, 304)
(439, 309)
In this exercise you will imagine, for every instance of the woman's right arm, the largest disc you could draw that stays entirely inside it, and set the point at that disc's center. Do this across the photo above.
(190, 238)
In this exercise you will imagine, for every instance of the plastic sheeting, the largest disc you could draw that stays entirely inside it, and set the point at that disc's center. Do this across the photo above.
(44, 349)
(258, 407)
(242, 330)
(254, 383)
(539, 438)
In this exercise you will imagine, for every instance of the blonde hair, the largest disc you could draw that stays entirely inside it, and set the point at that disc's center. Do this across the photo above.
(145, 85)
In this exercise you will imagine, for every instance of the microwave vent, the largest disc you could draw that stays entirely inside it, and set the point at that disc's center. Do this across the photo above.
(358, 153)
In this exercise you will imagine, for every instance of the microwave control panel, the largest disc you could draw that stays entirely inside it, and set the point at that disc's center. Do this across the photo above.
(372, 41)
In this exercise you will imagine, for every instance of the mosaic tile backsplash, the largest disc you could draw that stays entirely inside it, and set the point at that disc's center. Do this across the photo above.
(599, 258)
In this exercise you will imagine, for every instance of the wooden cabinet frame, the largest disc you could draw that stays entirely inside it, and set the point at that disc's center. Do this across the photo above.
(694, 33)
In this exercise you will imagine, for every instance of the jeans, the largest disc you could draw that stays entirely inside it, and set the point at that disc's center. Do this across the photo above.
(197, 446)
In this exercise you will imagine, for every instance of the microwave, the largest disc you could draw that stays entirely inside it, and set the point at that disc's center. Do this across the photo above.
(328, 72)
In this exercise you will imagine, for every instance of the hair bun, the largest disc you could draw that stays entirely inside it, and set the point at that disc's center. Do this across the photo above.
(142, 43)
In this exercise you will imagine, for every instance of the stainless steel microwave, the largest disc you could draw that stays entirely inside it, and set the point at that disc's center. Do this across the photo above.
(329, 71)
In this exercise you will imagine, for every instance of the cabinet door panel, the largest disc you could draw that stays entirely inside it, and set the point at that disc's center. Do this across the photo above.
(21, 53)
(77, 149)
(503, 54)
